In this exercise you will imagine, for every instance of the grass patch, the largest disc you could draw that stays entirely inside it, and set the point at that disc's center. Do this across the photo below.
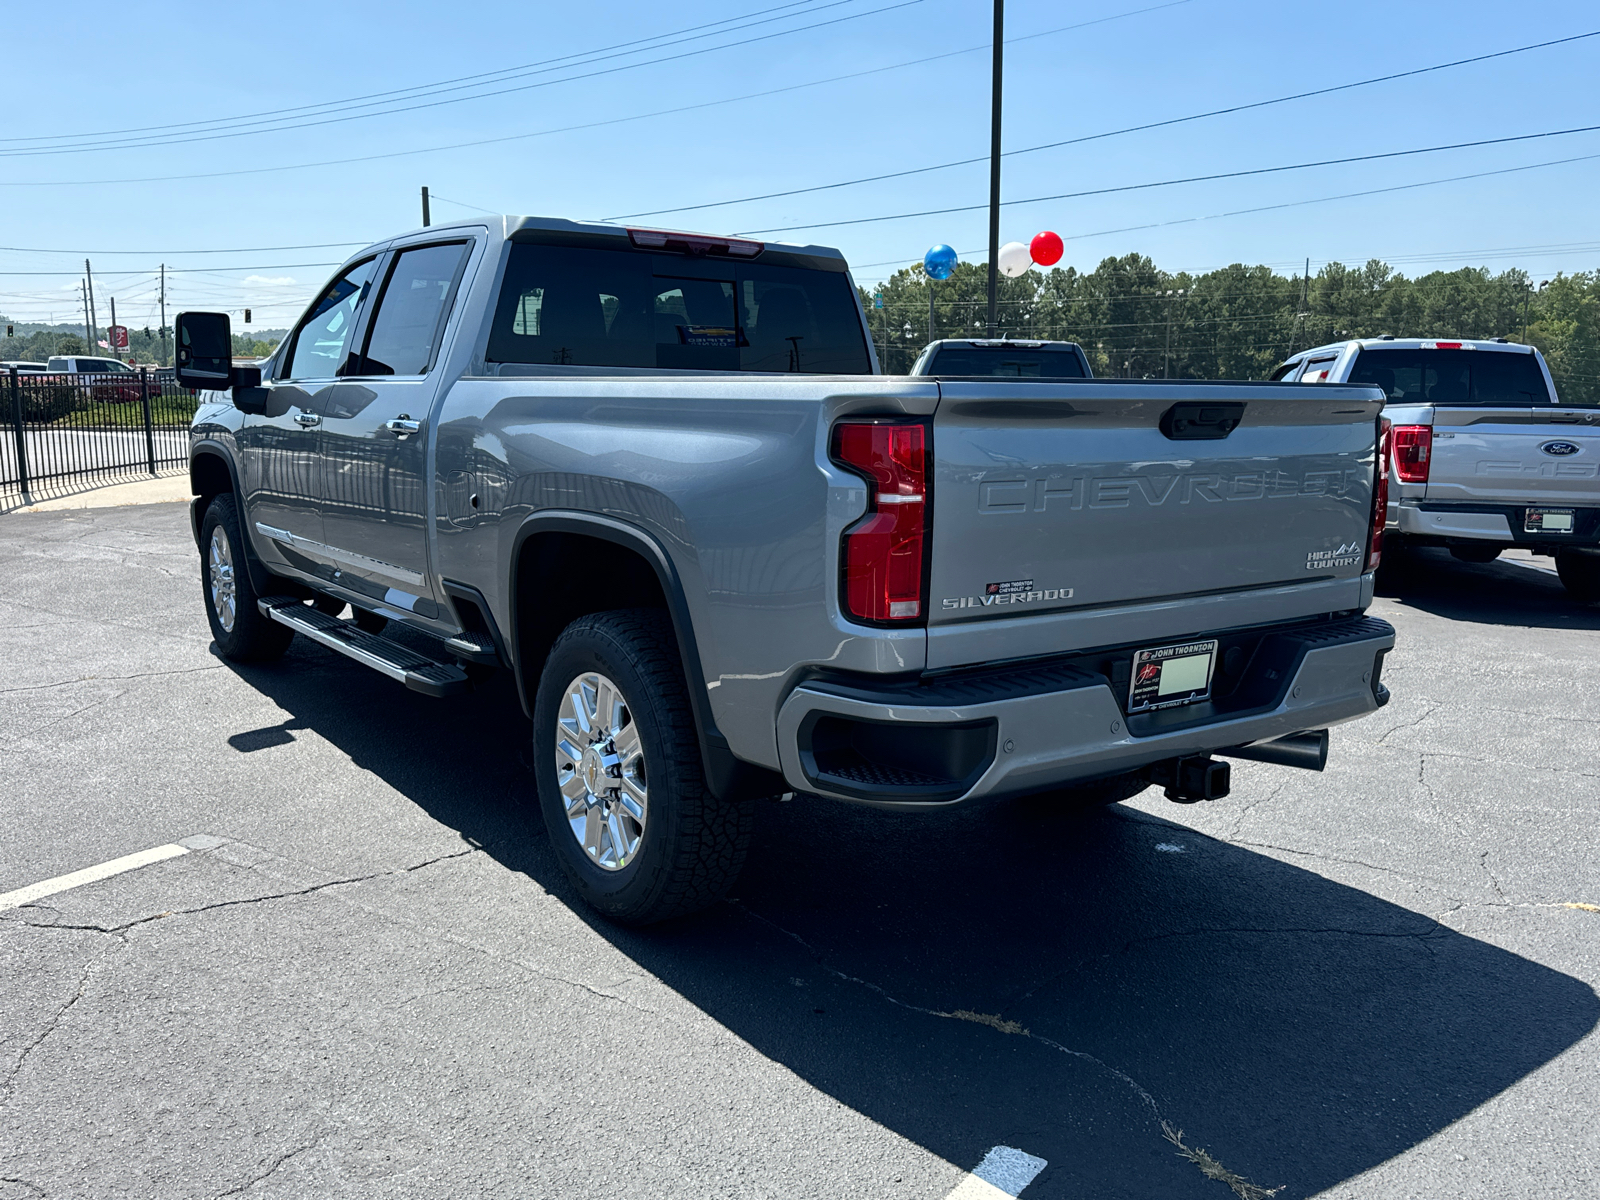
(165, 412)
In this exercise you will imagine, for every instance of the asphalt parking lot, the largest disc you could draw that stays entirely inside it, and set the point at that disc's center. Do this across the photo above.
(365, 976)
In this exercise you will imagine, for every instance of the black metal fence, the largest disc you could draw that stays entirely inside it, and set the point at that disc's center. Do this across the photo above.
(69, 431)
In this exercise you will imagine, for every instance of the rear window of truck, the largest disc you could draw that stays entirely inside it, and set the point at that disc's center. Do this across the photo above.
(570, 306)
(1453, 377)
(1007, 363)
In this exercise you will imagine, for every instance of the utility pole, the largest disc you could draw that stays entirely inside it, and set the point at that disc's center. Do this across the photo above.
(994, 169)
(164, 359)
(930, 312)
(426, 219)
(111, 337)
(88, 338)
(94, 318)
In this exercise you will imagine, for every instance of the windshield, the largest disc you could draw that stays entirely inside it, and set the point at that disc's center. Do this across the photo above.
(1007, 361)
(1453, 377)
(619, 308)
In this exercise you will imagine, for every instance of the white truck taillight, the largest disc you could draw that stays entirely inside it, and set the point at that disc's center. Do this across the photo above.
(1412, 448)
(1380, 495)
(885, 552)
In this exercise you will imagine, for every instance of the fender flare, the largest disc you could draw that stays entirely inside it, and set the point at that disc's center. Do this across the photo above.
(727, 775)
(263, 580)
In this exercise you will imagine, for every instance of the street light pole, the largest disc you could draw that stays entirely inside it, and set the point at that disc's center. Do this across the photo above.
(994, 169)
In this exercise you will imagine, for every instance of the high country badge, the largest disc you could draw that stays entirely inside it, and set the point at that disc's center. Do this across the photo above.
(1326, 560)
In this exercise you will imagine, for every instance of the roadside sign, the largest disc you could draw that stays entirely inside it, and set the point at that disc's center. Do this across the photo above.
(119, 337)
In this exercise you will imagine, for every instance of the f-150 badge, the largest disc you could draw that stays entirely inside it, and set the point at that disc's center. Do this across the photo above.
(1015, 591)
(1326, 560)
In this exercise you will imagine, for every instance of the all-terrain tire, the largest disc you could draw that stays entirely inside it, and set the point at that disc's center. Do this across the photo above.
(691, 844)
(241, 633)
(1580, 574)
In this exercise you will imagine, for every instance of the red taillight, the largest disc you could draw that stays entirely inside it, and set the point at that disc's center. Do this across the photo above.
(1412, 447)
(883, 552)
(1380, 496)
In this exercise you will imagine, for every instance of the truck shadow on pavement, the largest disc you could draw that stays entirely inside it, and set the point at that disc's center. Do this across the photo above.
(1495, 593)
(973, 978)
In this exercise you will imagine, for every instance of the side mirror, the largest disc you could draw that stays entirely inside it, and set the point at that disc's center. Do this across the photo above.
(205, 351)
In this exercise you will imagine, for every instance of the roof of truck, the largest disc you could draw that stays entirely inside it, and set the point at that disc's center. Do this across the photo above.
(1386, 342)
(509, 226)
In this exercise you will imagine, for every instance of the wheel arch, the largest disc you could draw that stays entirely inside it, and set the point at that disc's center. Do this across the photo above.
(640, 574)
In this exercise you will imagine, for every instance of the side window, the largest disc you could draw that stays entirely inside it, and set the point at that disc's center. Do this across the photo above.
(323, 339)
(1285, 373)
(411, 311)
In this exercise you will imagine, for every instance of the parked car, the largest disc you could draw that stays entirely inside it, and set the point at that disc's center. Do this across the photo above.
(1485, 456)
(22, 367)
(103, 379)
(656, 476)
(1003, 358)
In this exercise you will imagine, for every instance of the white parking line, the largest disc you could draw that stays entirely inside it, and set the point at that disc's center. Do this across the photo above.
(1002, 1175)
(62, 883)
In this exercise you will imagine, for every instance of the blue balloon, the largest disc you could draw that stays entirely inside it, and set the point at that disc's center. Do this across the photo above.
(940, 262)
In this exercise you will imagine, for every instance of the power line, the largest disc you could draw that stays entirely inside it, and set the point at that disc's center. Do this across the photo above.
(1402, 187)
(1136, 187)
(338, 120)
(415, 89)
(1216, 112)
(234, 250)
(582, 127)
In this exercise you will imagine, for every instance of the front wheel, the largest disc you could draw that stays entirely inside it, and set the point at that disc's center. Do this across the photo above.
(619, 775)
(1580, 574)
(242, 634)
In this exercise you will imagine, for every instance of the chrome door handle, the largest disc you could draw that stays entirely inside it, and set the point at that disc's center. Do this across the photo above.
(403, 426)
(307, 419)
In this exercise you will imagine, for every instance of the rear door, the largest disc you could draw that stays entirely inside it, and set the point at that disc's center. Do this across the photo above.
(1060, 497)
(374, 431)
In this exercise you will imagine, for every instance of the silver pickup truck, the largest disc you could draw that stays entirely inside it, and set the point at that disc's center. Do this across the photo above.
(1484, 457)
(657, 477)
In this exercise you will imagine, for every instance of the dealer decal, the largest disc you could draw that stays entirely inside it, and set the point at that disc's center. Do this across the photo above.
(1014, 591)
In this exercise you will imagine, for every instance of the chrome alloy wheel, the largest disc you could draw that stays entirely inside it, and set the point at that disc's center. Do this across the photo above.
(219, 569)
(600, 770)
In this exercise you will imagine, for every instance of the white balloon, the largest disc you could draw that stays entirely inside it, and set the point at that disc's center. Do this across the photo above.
(1015, 259)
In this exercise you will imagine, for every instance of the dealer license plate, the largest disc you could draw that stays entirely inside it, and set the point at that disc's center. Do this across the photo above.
(1547, 520)
(1169, 675)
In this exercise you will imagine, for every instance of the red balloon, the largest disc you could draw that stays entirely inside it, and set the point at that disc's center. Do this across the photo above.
(1046, 249)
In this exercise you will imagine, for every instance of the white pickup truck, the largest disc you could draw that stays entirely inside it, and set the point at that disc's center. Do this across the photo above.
(1485, 457)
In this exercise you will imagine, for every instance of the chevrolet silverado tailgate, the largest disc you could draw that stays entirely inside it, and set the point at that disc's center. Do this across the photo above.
(1054, 497)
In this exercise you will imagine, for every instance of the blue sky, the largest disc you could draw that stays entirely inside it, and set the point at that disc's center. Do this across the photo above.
(203, 64)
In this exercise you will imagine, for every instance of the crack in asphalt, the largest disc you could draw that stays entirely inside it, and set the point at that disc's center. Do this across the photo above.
(1434, 706)
(32, 1187)
(1238, 822)
(277, 1162)
(119, 930)
(1483, 862)
(1012, 1029)
(42, 687)
(9, 1084)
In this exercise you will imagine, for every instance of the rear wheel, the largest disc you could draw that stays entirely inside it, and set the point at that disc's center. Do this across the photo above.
(1580, 574)
(619, 775)
(242, 634)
